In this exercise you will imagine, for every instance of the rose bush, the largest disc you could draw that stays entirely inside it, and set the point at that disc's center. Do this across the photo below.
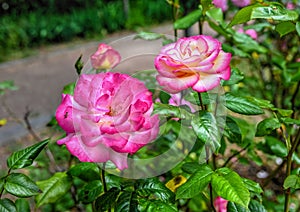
(105, 57)
(197, 62)
(108, 117)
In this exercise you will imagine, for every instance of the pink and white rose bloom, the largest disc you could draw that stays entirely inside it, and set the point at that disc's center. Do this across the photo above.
(196, 62)
(108, 117)
(105, 57)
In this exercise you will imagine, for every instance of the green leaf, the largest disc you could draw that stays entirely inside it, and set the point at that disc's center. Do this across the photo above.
(242, 105)
(85, 171)
(215, 14)
(243, 15)
(229, 185)
(53, 188)
(196, 183)
(236, 77)
(233, 207)
(255, 206)
(22, 205)
(274, 11)
(6, 205)
(7, 85)
(167, 110)
(262, 103)
(127, 201)
(25, 157)
(298, 28)
(292, 181)
(79, 65)
(69, 88)
(190, 167)
(153, 187)
(90, 191)
(266, 126)
(232, 130)
(107, 199)
(20, 185)
(290, 121)
(284, 28)
(252, 186)
(149, 36)
(283, 112)
(188, 20)
(205, 127)
(156, 205)
(277, 147)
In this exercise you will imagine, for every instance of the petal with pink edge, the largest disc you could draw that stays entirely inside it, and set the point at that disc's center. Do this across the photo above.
(175, 85)
(207, 82)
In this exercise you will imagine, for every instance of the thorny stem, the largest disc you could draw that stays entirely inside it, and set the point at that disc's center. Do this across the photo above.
(103, 180)
(207, 151)
(200, 100)
(288, 169)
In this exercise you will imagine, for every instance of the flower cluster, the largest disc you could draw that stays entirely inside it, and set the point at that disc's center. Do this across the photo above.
(110, 114)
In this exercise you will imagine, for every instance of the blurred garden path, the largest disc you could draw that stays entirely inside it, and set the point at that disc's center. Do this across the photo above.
(41, 78)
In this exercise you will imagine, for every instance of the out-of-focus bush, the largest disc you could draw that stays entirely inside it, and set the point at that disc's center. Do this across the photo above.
(27, 24)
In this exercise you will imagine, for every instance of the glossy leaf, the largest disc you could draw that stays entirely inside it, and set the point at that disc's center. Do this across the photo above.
(166, 110)
(276, 146)
(255, 206)
(215, 14)
(242, 105)
(6, 205)
(292, 181)
(229, 185)
(127, 201)
(298, 28)
(156, 205)
(20, 185)
(284, 28)
(205, 126)
(290, 121)
(234, 207)
(90, 191)
(25, 157)
(232, 130)
(262, 103)
(252, 186)
(53, 188)
(188, 20)
(85, 171)
(283, 112)
(107, 199)
(190, 167)
(154, 187)
(22, 205)
(274, 11)
(266, 126)
(196, 183)
(243, 15)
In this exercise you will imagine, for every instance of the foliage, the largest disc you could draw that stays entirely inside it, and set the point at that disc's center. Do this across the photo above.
(251, 126)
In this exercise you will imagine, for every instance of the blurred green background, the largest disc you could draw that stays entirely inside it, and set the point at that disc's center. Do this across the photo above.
(26, 24)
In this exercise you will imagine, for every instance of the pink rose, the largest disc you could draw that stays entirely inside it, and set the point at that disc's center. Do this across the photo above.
(178, 100)
(241, 3)
(251, 32)
(197, 62)
(108, 117)
(220, 204)
(290, 6)
(105, 57)
(221, 4)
